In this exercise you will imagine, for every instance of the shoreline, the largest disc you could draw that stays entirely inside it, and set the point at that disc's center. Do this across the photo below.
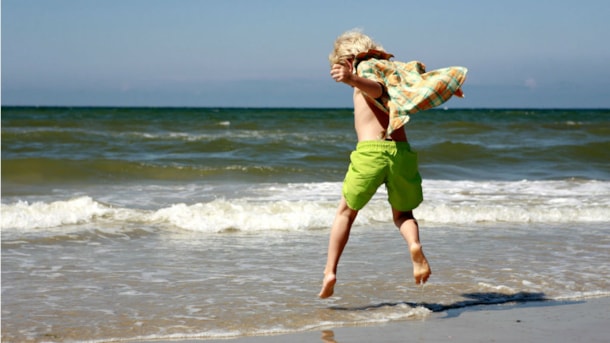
(551, 321)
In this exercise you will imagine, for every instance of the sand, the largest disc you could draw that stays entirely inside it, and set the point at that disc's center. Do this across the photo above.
(543, 321)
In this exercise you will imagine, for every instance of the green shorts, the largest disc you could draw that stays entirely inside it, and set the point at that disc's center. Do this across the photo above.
(383, 162)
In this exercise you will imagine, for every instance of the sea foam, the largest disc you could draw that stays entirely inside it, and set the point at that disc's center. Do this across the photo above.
(312, 206)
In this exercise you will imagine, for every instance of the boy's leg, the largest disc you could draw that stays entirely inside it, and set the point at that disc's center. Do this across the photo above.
(407, 225)
(339, 235)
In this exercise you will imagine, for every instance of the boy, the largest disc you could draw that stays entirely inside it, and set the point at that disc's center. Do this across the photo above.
(385, 93)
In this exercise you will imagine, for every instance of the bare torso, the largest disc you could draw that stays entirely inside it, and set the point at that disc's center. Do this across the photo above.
(370, 122)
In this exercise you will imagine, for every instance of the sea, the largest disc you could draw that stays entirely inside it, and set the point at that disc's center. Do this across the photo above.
(131, 224)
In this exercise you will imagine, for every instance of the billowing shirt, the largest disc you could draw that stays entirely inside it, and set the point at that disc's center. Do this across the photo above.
(408, 88)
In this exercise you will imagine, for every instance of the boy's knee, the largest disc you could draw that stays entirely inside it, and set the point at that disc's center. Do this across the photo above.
(349, 213)
(346, 211)
(401, 217)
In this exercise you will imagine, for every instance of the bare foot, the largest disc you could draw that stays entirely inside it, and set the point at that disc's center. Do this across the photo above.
(328, 285)
(421, 269)
(328, 336)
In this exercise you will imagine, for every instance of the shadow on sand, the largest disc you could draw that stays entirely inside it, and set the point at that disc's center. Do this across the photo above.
(472, 299)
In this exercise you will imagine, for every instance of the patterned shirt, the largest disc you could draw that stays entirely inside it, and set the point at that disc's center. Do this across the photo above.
(407, 87)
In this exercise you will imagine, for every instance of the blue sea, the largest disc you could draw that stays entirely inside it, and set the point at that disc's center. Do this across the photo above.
(127, 224)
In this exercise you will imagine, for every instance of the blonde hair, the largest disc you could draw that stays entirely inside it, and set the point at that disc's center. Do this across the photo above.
(350, 44)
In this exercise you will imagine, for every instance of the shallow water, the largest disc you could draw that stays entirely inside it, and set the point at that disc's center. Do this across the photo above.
(151, 282)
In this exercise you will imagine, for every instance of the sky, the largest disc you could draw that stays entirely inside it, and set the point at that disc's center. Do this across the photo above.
(274, 53)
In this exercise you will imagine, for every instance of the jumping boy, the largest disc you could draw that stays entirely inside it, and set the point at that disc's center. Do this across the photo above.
(385, 93)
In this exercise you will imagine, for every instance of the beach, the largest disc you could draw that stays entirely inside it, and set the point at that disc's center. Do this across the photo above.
(207, 224)
(571, 321)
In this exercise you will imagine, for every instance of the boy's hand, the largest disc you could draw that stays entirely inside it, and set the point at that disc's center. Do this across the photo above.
(342, 72)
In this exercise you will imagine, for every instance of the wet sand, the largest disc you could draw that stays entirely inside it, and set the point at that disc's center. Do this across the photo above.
(543, 321)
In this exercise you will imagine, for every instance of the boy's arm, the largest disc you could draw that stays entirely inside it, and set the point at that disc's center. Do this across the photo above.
(343, 73)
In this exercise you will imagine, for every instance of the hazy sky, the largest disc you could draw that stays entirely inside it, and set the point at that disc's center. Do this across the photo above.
(520, 53)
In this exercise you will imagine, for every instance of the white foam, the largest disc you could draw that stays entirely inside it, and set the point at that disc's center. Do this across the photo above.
(220, 215)
(521, 202)
(583, 295)
(44, 215)
(498, 288)
(294, 207)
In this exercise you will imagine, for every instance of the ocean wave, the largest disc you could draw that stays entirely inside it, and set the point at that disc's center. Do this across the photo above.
(297, 207)
(38, 215)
